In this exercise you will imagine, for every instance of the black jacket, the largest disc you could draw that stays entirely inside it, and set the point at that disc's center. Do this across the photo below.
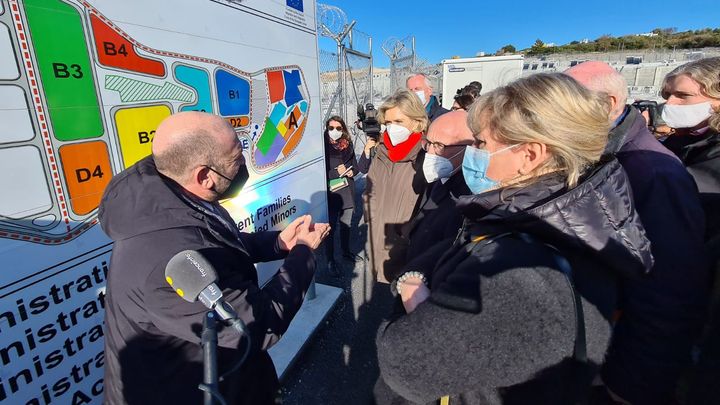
(664, 311)
(438, 217)
(499, 326)
(701, 156)
(434, 109)
(345, 197)
(152, 343)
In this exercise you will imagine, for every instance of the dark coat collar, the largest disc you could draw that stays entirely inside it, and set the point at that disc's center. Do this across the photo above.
(596, 217)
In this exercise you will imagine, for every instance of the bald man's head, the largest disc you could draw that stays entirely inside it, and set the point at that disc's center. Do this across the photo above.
(450, 129)
(599, 76)
(188, 139)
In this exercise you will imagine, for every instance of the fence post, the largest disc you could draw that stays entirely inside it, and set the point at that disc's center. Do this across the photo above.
(371, 89)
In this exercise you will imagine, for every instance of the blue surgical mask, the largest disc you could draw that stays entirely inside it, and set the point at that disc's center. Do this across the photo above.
(474, 167)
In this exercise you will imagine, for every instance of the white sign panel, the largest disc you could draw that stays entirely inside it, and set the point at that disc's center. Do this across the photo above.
(83, 86)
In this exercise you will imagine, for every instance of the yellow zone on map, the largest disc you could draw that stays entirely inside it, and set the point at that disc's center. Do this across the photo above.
(136, 128)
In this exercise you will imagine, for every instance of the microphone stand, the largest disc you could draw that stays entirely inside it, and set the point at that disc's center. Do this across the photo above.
(209, 341)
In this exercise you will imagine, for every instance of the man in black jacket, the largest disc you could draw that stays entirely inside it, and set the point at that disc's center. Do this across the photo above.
(166, 203)
(438, 218)
(664, 311)
(419, 84)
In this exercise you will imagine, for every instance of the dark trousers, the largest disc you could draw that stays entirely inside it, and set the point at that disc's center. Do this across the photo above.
(339, 218)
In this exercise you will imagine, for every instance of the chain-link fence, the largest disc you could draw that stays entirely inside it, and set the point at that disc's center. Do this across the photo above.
(346, 81)
(329, 91)
(404, 61)
(358, 82)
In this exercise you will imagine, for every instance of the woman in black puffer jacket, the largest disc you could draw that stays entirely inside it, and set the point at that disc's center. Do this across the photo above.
(518, 308)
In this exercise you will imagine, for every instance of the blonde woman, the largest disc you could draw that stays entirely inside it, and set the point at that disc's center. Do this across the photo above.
(393, 183)
(517, 309)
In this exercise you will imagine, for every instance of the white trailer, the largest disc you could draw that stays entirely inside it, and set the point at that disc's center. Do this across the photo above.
(491, 71)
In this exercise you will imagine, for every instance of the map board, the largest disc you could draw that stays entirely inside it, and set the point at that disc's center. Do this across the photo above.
(83, 86)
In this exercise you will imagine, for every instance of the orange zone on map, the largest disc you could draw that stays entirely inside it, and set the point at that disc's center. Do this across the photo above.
(239, 121)
(115, 51)
(276, 84)
(294, 139)
(87, 171)
(291, 122)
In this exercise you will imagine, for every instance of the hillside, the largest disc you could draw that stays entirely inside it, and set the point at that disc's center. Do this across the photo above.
(659, 38)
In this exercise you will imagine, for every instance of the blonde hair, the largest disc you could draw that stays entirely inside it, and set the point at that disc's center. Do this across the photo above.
(409, 104)
(706, 72)
(552, 109)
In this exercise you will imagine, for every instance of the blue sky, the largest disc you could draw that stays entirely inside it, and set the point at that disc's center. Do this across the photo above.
(444, 28)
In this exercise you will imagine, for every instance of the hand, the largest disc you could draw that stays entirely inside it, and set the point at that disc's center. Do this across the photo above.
(341, 169)
(413, 293)
(310, 234)
(371, 143)
(349, 173)
(646, 114)
(288, 237)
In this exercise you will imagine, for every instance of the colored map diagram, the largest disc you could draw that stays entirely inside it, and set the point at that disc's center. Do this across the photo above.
(80, 101)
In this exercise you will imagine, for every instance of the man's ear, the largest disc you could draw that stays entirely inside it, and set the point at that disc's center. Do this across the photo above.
(534, 155)
(613, 105)
(201, 177)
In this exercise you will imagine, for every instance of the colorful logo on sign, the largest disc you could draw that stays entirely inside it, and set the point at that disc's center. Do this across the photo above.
(296, 4)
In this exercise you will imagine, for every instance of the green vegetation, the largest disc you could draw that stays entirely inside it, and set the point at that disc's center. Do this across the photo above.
(661, 38)
(506, 50)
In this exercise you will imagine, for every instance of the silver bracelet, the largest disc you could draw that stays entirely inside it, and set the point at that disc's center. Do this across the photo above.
(407, 275)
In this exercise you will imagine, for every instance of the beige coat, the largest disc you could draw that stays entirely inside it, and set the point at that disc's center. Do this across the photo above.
(389, 199)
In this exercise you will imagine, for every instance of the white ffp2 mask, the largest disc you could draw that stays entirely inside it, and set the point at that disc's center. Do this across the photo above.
(335, 134)
(686, 116)
(397, 133)
(436, 167)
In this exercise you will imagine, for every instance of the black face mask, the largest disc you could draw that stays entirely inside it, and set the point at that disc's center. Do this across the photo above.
(236, 183)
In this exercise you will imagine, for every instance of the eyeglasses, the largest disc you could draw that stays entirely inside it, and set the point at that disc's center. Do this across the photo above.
(479, 143)
(330, 128)
(218, 173)
(438, 146)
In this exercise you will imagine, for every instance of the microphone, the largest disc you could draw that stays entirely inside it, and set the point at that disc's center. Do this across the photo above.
(193, 278)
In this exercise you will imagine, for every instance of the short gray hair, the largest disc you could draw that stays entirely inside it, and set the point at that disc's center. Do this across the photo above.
(612, 83)
(424, 76)
(190, 150)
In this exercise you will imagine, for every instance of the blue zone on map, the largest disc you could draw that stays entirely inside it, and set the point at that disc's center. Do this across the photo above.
(293, 81)
(233, 94)
(296, 4)
(199, 80)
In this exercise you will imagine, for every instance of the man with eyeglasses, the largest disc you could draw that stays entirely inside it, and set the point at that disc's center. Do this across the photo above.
(167, 203)
(437, 218)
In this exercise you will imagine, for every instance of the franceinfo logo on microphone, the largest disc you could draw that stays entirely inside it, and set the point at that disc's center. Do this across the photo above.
(196, 264)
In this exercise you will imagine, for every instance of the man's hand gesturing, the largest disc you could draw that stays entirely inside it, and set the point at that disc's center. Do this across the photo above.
(288, 237)
(310, 234)
(303, 231)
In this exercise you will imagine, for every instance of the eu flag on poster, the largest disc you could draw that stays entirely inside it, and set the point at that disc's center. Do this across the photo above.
(296, 4)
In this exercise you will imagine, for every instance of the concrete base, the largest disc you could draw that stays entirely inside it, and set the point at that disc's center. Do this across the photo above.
(303, 326)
